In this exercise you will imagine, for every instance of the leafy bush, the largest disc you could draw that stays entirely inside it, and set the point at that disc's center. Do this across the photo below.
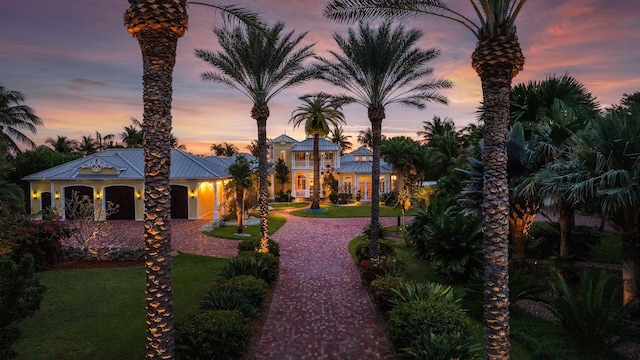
(382, 290)
(593, 315)
(254, 245)
(263, 266)
(343, 198)
(20, 296)
(333, 197)
(385, 248)
(451, 241)
(435, 346)
(382, 231)
(229, 299)
(410, 292)
(543, 240)
(382, 266)
(284, 197)
(408, 321)
(212, 335)
(390, 198)
(252, 288)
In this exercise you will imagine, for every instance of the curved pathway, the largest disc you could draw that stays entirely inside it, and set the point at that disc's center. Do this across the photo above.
(320, 310)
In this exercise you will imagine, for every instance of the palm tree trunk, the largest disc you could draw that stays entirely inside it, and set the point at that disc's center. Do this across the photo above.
(567, 222)
(240, 208)
(630, 266)
(376, 115)
(495, 209)
(316, 172)
(521, 217)
(158, 55)
(263, 192)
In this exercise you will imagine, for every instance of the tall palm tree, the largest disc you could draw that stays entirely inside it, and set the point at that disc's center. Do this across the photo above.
(14, 118)
(365, 138)
(379, 67)
(87, 145)
(103, 142)
(337, 136)
(241, 172)
(224, 149)
(497, 59)
(436, 127)
(259, 64)
(157, 25)
(317, 113)
(133, 134)
(62, 144)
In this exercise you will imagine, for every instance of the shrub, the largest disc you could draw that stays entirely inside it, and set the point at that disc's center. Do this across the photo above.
(390, 198)
(212, 334)
(20, 296)
(252, 288)
(283, 197)
(259, 265)
(229, 299)
(435, 346)
(333, 197)
(254, 245)
(410, 292)
(382, 231)
(382, 290)
(343, 198)
(408, 321)
(451, 241)
(543, 240)
(382, 266)
(385, 248)
(593, 315)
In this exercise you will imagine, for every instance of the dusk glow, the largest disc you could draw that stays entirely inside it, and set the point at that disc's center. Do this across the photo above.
(81, 71)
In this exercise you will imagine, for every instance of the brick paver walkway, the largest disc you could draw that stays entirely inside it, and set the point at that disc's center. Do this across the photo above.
(320, 310)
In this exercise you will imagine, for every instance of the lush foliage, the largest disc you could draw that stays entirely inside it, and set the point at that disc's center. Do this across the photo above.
(385, 248)
(254, 245)
(371, 269)
(212, 335)
(20, 296)
(252, 288)
(230, 299)
(382, 290)
(263, 266)
(435, 346)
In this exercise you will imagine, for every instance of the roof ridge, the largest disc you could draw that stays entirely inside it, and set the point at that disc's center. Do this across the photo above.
(129, 162)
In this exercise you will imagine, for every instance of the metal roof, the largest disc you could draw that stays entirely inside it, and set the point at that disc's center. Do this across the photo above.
(323, 145)
(129, 165)
(347, 163)
(284, 138)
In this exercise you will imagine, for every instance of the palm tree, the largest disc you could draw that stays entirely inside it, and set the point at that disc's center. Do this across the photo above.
(281, 173)
(365, 137)
(87, 146)
(434, 128)
(317, 113)
(337, 136)
(157, 25)
(407, 156)
(105, 141)
(379, 67)
(14, 117)
(259, 64)
(241, 172)
(133, 134)
(497, 59)
(224, 149)
(62, 144)
(253, 147)
(609, 155)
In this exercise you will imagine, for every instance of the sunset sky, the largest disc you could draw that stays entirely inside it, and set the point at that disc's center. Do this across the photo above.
(81, 71)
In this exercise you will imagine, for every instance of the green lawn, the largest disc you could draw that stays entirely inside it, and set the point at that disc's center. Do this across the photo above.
(341, 211)
(227, 232)
(99, 313)
(289, 205)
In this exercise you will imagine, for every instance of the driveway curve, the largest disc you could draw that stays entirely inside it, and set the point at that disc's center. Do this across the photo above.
(320, 310)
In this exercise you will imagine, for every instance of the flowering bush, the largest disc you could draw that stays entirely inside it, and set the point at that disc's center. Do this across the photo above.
(370, 269)
(382, 290)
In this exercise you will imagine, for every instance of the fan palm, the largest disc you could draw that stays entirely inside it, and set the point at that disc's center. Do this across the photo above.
(497, 59)
(14, 118)
(317, 113)
(259, 64)
(157, 25)
(379, 67)
(337, 136)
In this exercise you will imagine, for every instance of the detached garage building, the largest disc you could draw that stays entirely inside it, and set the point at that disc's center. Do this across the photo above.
(117, 176)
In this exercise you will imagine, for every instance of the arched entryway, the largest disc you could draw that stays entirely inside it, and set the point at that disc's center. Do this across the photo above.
(179, 202)
(124, 198)
(78, 202)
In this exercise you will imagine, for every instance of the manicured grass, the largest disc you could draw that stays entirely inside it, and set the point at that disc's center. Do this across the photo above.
(340, 211)
(289, 205)
(227, 232)
(100, 314)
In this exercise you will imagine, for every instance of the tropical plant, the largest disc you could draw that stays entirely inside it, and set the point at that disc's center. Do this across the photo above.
(14, 118)
(133, 134)
(87, 146)
(224, 149)
(260, 64)
(365, 138)
(317, 113)
(241, 173)
(337, 136)
(497, 59)
(229, 299)
(407, 157)
(379, 67)
(435, 128)
(436, 346)
(157, 25)
(281, 173)
(20, 296)
(431, 291)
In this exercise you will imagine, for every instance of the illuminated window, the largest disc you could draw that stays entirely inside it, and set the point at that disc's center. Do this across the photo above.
(394, 182)
(301, 182)
(283, 156)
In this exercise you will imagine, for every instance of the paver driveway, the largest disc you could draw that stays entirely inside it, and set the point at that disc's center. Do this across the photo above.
(320, 310)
